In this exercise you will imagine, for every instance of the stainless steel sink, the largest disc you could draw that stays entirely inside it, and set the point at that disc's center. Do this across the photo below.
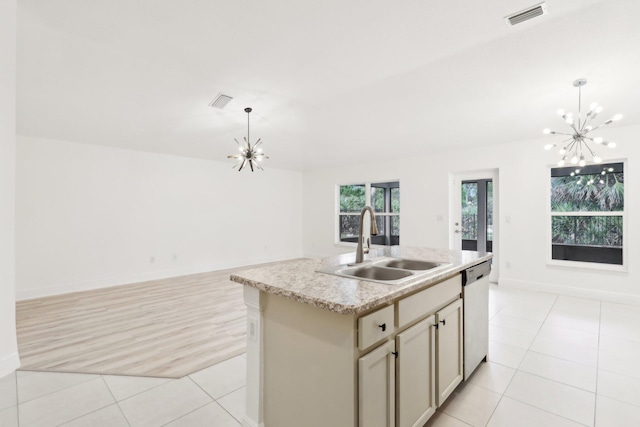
(410, 264)
(376, 273)
(386, 270)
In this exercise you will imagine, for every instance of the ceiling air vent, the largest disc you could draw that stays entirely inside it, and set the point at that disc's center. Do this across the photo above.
(221, 101)
(525, 15)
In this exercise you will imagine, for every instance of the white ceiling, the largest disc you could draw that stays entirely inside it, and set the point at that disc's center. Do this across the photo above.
(330, 81)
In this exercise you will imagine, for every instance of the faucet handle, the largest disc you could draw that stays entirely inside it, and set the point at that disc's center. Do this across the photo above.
(367, 247)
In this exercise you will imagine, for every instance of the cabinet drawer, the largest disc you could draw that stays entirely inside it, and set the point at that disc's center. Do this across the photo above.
(428, 301)
(375, 326)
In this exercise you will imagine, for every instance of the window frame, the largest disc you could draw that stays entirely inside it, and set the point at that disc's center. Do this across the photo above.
(580, 265)
(388, 185)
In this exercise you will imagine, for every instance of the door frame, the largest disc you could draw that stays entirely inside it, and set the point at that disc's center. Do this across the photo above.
(455, 211)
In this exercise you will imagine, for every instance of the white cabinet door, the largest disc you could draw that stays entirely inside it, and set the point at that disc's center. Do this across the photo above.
(449, 349)
(376, 382)
(416, 400)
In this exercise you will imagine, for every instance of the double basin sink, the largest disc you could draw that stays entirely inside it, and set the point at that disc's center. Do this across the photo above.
(384, 270)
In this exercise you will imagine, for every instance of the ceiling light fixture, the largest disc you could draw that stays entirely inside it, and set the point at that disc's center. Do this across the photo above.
(577, 145)
(249, 154)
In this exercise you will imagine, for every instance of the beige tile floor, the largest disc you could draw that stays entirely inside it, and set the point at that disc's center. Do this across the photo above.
(211, 397)
(553, 361)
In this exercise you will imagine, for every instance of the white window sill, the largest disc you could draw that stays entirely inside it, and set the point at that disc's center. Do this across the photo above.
(579, 265)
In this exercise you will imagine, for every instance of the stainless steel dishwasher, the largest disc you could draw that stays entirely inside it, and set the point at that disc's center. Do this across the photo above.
(475, 289)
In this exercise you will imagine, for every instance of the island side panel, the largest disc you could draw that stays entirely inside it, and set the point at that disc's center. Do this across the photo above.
(254, 411)
(309, 365)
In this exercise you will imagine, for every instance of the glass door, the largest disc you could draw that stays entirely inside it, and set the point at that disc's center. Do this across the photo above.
(477, 215)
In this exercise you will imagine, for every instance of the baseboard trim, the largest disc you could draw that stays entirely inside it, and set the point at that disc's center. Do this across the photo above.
(88, 285)
(9, 364)
(615, 297)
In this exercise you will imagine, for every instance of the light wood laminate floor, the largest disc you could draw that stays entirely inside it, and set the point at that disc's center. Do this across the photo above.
(162, 328)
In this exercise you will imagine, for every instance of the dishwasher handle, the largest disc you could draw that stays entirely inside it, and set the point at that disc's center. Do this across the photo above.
(476, 273)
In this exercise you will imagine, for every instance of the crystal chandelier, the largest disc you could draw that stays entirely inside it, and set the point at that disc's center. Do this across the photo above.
(249, 154)
(575, 147)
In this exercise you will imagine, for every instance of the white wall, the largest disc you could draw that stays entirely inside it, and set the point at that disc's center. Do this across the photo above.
(524, 181)
(91, 216)
(8, 348)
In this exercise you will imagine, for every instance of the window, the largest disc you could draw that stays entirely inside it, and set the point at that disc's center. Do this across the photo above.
(384, 198)
(587, 213)
(352, 200)
(477, 215)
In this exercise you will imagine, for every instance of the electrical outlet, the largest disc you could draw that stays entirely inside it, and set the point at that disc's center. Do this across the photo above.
(507, 265)
(175, 257)
(152, 259)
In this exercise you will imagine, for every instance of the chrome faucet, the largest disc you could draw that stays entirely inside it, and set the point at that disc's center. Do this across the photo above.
(374, 230)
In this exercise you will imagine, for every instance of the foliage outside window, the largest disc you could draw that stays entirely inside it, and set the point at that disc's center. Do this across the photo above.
(587, 213)
(477, 195)
(384, 198)
(469, 210)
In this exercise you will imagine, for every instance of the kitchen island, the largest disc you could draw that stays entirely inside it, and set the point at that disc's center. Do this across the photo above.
(324, 350)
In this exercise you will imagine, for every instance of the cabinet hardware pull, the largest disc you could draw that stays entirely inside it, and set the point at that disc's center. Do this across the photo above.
(443, 322)
(383, 327)
(395, 353)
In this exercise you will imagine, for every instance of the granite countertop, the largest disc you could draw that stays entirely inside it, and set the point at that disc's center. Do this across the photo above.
(298, 280)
